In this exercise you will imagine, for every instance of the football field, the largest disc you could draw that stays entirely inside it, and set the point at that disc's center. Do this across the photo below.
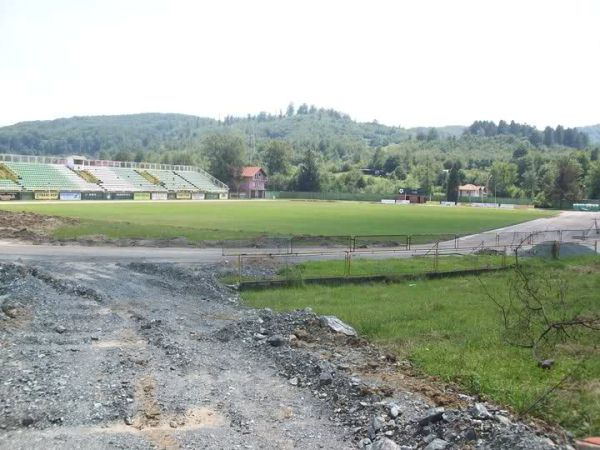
(212, 220)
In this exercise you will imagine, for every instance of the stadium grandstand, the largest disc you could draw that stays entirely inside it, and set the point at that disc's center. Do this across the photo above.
(77, 178)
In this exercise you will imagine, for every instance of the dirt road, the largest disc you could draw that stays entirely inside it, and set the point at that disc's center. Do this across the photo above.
(140, 356)
(131, 361)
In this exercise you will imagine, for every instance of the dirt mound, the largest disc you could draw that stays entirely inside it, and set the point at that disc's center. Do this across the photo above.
(31, 227)
(565, 249)
(370, 392)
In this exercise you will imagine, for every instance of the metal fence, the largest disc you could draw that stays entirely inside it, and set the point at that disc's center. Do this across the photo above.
(301, 257)
(402, 242)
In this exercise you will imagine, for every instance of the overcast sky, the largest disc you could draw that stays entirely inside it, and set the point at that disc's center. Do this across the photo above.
(407, 63)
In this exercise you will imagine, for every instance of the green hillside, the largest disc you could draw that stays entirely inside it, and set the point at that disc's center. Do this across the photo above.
(317, 149)
(155, 132)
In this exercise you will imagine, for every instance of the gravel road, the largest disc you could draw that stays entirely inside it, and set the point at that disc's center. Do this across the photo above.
(109, 356)
(140, 356)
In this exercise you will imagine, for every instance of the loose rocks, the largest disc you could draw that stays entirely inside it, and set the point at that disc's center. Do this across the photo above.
(337, 325)
(276, 340)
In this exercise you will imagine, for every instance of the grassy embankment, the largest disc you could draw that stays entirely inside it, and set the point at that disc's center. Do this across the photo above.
(214, 220)
(449, 328)
(282, 269)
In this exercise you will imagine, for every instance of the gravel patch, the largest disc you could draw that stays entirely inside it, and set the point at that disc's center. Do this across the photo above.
(138, 356)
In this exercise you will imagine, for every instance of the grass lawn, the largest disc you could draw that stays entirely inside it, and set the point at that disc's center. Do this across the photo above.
(363, 267)
(211, 220)
(451, 329)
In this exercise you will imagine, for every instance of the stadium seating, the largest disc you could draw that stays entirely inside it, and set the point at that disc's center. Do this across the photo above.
(42, 176)
(111, 181)
(200, 180)
(172, 181)
(82, 185)
(137, 180)
(32, 173)
(9, 186)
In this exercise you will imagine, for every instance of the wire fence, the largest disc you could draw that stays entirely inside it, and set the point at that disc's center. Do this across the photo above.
(300, 257)
(398, 242)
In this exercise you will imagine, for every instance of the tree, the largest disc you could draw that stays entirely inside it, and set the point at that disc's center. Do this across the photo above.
(225, 154)
(426, 173)
(593, 180)
(182, 158)
(548, 136)
(536, 138)
(303, 109)
(139, 156)
(307, 179)
(391, 163)
(583, 161)
(503, 176)
(377, 161)
(559, 135)
(290, 110)
(566, 185)
(520, 152)
(432, 135)
(122, 155)
(277, 156)
(453, 183)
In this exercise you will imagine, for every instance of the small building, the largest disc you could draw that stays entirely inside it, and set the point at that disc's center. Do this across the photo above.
(254, 180)
(412, 195)
(471, 191)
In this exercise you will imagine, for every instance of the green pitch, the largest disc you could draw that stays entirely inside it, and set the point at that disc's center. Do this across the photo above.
(212, 220)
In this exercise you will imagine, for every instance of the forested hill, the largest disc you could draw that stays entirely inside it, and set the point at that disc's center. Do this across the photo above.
(158, 132)
(93, 135)
(334, 135)
(310, 149)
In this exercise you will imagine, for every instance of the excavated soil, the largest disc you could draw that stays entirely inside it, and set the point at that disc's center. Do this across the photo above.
(139, 356)
(30, 227)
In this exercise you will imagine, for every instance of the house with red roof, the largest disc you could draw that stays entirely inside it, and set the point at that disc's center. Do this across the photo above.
(471, 191)
(253, 184)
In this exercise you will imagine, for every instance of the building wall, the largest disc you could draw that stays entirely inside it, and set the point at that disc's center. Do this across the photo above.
(475, 194)
(256, 183)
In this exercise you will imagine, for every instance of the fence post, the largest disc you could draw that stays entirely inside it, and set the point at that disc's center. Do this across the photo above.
(456, 241)
(239, 269)
(504, 257)
(408, 242)
(349, 263)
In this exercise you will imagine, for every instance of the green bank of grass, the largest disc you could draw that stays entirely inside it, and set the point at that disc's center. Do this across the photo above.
(133, 230)
(231, 219)
(449, 328)
(389, 266)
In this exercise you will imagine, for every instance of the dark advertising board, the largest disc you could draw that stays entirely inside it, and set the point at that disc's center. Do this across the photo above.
(92, 196)
(8, 196)
(119, 196)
